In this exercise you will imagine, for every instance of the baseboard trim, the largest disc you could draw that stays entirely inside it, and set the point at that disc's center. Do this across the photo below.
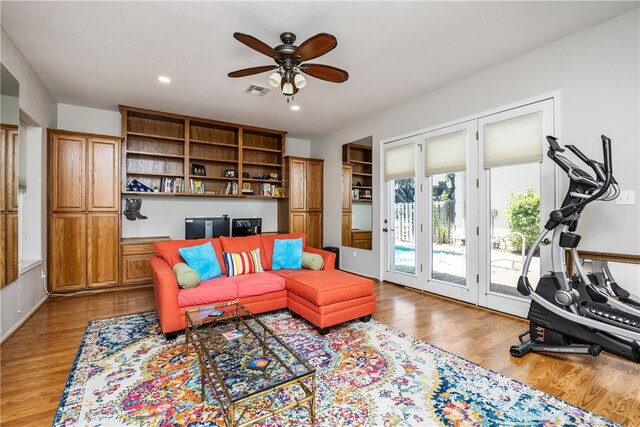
(24, 319)
(359, 274)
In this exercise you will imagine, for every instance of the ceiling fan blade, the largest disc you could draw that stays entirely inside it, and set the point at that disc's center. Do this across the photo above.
(325, 72)
(255, 44)
(316, 46)
(252, 70)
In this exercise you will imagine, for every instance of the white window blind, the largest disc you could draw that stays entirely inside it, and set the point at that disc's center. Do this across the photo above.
(400, 161)
(445, 153)
(513, 141)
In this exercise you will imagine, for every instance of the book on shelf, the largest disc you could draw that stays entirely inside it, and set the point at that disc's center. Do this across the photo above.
(231, 188)
(196, 186)
(271, 190)
(172, 185)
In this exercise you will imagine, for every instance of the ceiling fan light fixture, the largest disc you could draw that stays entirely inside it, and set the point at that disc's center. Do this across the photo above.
(300, 81)
(275, 79)
(287, 89)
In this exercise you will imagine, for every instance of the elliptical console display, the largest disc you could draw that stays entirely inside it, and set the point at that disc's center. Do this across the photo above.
(582, 313)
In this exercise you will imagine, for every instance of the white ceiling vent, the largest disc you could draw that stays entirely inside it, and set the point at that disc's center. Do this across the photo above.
(257, 90)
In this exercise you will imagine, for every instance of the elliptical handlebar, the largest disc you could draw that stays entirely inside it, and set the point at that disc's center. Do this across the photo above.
(563, 213)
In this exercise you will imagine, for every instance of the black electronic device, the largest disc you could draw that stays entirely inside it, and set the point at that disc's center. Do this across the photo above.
(201, 227)
(246, 226)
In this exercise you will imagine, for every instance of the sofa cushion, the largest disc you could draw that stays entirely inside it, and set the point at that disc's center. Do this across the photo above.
(269, 239)
(326, 286)
(186, 276)
(287, 253)
(246, 244)
(202, 258)
(210, 291)
(312, 261)
(243, 262)
(168, 250)
(258, 284)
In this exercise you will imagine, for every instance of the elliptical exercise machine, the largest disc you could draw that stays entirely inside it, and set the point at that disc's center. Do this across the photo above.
(586, 313)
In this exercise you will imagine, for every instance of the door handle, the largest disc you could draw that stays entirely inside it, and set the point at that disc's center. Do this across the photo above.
(385, 229)
(545, 242)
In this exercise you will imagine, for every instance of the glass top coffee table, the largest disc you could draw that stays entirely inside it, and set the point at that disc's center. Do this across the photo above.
(245, 367)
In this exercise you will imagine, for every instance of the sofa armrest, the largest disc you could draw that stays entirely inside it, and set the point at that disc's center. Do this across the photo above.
(165, 289)
(329, 257)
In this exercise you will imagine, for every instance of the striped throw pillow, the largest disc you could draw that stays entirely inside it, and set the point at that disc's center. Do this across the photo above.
(243, 262)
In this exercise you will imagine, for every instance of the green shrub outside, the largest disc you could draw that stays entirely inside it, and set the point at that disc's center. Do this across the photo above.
(523, 213)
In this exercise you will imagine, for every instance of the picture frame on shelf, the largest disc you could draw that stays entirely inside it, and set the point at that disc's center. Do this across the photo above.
(229, 173)
(198, 170)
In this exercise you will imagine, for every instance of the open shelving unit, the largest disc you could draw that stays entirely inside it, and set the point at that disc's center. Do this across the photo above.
(361, 161)
(175, 154)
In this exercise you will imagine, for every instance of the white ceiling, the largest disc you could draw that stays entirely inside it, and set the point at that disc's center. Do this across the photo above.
(101, 54)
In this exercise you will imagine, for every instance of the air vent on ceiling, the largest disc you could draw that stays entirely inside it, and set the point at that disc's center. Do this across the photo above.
(257, 90)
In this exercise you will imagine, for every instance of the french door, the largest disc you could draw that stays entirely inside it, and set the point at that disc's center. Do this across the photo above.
(461, 223)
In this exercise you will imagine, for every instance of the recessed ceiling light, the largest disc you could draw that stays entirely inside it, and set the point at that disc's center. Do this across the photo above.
(295, 107)
(164, 79)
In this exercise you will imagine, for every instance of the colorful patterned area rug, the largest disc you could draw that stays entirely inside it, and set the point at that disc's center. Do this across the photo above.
(368, 374)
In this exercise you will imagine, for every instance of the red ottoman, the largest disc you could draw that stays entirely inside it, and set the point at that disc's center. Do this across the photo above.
(328, 297)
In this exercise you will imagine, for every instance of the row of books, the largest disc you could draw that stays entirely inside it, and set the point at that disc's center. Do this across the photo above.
(196, 187)
(270, 190)
(231, 188)
(172, 185)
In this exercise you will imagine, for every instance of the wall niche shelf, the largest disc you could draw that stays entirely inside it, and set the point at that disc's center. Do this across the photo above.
(179, 155)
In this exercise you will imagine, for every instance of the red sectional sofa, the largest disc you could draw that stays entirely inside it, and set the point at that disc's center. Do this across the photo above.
(324, 298)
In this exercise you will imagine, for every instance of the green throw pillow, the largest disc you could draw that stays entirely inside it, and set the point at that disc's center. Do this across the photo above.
(187, 276)
(312, 261)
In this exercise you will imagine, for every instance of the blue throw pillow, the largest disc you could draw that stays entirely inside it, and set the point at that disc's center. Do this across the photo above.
(287, 253)
(203, 260)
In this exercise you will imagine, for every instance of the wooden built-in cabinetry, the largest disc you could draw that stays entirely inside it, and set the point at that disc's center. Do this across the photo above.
(9, 204)
(357, 174)
(136, 252)
(163, 147)
(301, 211)
(84, 210)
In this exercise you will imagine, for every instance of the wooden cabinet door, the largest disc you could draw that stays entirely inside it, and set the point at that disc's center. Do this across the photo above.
(103, 182)
(346, 188)
(3, 246)
(103, 244)
(67, 252)
(314, 185)
(314, 229)
(346, 228)
(136, 269)
(68, 182)
(11, 248)
(297, 184)
(3, 177)
(12, 171)
(298, 222)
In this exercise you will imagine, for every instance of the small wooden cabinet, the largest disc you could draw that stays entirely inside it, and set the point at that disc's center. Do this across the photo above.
(136, 253)
(301, 210)
(9, 204)
(361, 239)
(84, 210)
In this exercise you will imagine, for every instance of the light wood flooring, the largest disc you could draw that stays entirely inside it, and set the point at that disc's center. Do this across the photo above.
(36, 360)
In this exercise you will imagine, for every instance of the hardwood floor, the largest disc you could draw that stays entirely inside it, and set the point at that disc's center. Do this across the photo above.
(36, 360)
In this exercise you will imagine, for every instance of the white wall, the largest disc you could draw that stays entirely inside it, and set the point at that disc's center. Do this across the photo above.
(90, 120)
(9, 108)
(297, 147)
(166, 214)
(596, 72)
(20, 298)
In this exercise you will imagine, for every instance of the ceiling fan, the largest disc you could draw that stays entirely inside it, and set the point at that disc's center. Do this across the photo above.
(290, 61)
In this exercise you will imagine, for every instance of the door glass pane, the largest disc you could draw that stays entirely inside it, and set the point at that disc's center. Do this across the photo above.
(515, 224)
(448, 227)
(403, 233)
